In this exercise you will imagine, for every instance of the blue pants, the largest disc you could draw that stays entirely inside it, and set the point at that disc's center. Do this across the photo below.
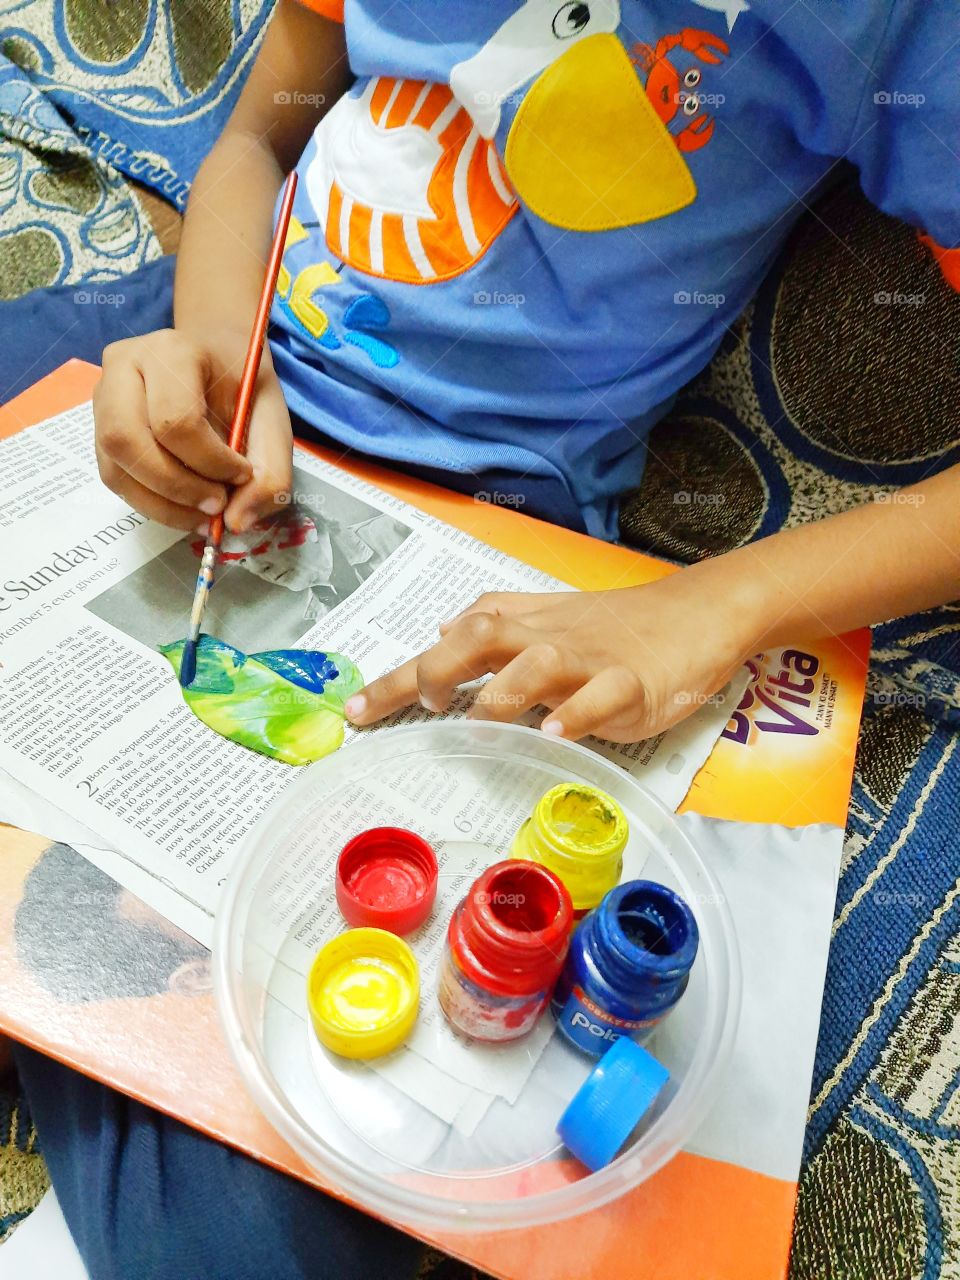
(145, 1197)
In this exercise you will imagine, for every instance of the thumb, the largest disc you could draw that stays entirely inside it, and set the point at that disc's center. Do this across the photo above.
(270, 453)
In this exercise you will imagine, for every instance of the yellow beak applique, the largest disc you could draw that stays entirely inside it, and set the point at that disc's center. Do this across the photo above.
(587, 151)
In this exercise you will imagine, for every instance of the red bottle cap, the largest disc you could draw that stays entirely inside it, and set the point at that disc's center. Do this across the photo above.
(387, 879)
(512, 931)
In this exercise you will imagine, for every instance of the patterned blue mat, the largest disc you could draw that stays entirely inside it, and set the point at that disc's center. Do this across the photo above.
(145, 85)
(91, 94)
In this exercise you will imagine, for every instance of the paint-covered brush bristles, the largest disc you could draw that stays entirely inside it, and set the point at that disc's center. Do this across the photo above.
(208, 569)
(188, 663)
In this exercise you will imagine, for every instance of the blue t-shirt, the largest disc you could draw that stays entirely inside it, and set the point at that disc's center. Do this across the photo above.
(529, 224)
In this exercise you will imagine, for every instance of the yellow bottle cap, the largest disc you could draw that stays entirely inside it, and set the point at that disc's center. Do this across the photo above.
(364, 993)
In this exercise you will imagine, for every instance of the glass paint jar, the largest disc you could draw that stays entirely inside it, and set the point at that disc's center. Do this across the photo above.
(628, 965)
(506, 945)
(579, 833)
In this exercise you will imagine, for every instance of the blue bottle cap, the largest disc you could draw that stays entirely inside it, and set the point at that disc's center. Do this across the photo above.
(603, 1112)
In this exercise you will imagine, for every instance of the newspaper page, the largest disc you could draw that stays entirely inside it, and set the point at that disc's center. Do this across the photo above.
(92, 721)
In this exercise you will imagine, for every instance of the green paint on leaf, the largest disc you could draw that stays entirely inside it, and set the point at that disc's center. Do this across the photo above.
(286, 704)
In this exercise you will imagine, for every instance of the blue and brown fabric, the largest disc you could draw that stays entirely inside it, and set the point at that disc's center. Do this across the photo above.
(91, 94)
(840, 384)
(23, 1175)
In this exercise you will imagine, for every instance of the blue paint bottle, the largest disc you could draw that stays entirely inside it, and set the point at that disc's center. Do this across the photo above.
(628, 965)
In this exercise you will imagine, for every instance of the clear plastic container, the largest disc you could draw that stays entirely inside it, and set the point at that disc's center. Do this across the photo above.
(456, 1162)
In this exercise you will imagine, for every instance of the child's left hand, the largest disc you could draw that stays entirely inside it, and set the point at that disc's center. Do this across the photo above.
(623, 664)
(628, 664)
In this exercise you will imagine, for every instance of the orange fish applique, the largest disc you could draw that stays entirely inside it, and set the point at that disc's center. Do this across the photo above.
(404, 185)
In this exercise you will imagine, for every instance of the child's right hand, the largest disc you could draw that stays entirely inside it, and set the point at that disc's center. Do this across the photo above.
(162, 408)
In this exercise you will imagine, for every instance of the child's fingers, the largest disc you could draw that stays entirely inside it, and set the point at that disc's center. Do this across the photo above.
(617, 692)
(390, 693)
(160, 473)
(542, 673)
(124, 437)
(478, 644)
(146, 501)
(177, 412)
(502, 604)
(270, 454)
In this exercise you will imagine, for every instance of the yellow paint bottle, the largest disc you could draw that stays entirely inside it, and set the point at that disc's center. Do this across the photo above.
(363, 991)
(579, 833)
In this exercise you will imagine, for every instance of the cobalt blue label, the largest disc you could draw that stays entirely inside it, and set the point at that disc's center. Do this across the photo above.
(591, 1028)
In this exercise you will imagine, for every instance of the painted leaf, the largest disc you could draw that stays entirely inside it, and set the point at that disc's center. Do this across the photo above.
(285, 703)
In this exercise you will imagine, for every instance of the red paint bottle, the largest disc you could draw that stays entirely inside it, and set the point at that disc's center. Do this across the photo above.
(506, 945)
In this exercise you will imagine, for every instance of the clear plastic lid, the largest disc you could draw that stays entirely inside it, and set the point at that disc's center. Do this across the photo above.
(450, 1133)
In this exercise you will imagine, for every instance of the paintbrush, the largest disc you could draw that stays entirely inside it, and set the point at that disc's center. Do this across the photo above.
(238, 431)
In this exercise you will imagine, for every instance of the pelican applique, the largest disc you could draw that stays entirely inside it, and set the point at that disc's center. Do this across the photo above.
(407, 179)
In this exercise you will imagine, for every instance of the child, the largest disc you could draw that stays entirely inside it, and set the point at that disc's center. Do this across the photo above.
(501, 224)
(496, 221)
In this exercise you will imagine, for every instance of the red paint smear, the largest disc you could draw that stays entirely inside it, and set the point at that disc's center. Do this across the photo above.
(297, 535)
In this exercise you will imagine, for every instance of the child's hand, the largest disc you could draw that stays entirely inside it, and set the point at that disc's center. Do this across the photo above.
(162, 408)
(623, 664)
